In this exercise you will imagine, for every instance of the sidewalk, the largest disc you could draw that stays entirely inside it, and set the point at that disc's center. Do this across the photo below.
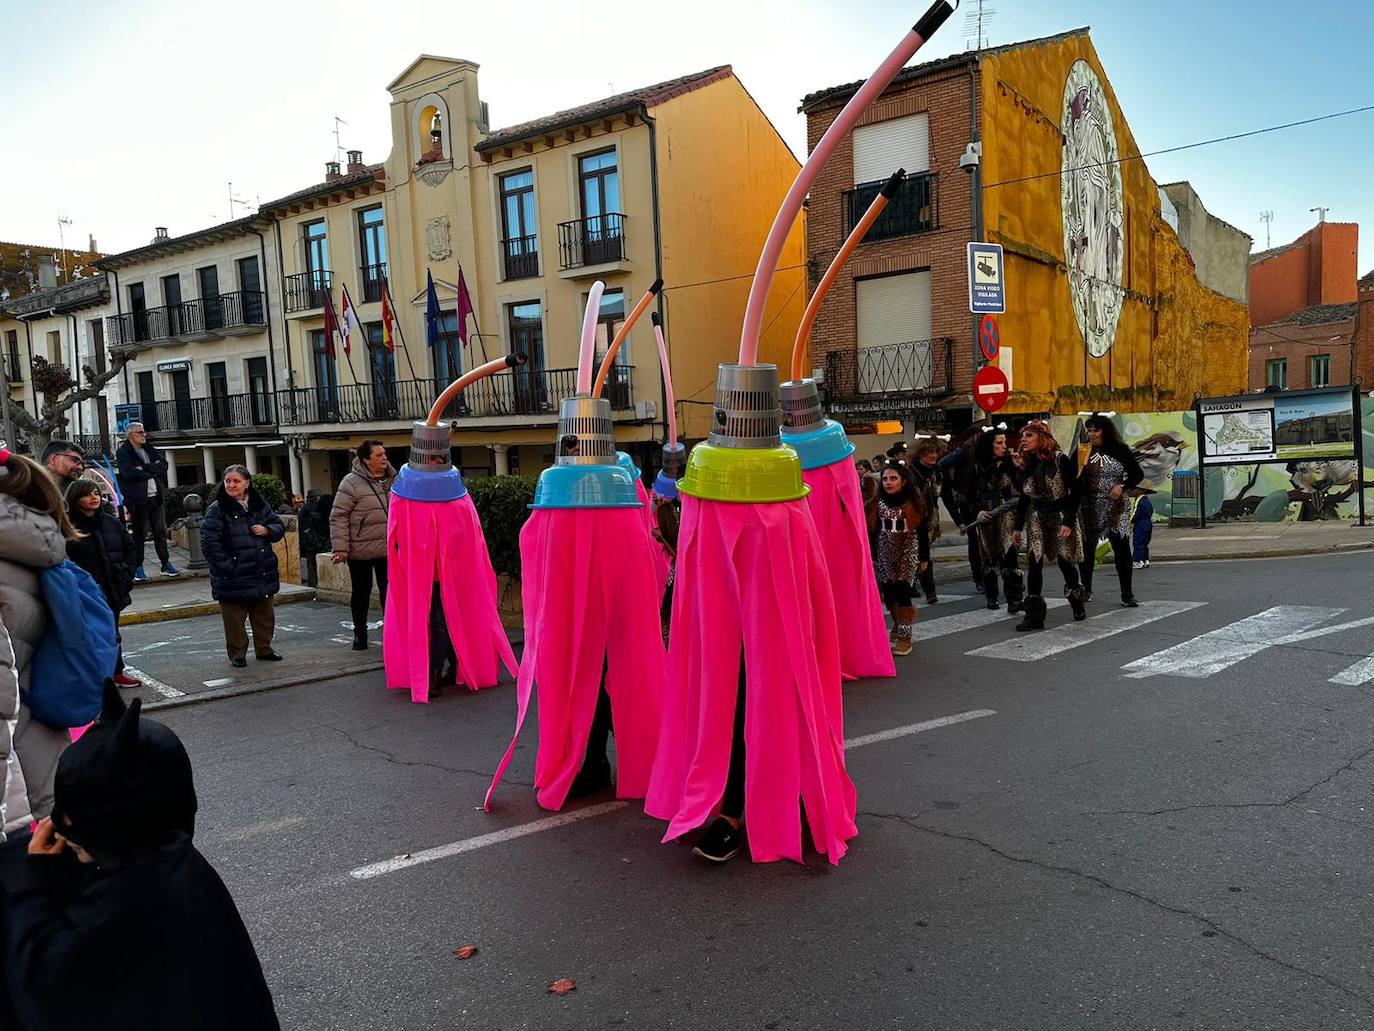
(162, 597)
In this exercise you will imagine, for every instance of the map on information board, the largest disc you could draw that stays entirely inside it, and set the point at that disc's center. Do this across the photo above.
(1239, 436)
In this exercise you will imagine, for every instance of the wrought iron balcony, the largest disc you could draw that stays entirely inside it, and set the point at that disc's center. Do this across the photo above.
(521, 257)
(205, 318)
(92, 445)
(518, 393)
(307, 291)
(597, 240)
(870, 378)
(915, 209)
(371, 282)
(198, 414)
(14, 368)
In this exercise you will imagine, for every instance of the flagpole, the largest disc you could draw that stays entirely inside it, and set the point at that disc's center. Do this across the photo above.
(396, 322)
(349, 358)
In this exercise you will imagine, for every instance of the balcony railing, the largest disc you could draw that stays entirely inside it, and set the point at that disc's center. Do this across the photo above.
(14, 368)
(915, 369)
(520, 392)
(306, 291)
(915, 208)
(591, 241)
(521, 254)
(204, 316)
(91, 445)
(222, 412)
(371, 281)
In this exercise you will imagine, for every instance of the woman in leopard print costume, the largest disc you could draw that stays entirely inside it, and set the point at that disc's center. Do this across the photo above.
(1048, 515)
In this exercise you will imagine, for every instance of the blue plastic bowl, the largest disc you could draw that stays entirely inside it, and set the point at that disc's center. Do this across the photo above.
(822, 447)
(586, 486)
(628, 464)
(417, 485)
(665, 486)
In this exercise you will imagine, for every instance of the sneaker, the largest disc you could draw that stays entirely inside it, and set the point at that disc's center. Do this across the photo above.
(360, 642)
(932, 599)
(140, 577)
(124, 680)
(1128, 602)
(170, 570)
(1139, 565)
(238, 663)
(1147, 563)
(901, 647)
(721, 842)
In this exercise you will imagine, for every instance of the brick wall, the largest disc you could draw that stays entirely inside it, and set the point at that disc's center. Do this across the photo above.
(1297, 343)
(1318, 267)
(1364, 338)
(945, 98)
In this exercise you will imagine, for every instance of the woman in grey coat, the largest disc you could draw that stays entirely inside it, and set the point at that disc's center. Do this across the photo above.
(33, 537)
(357, 525)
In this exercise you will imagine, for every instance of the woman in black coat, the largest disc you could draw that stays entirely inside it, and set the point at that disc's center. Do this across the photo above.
(107, 552)
(236, 538)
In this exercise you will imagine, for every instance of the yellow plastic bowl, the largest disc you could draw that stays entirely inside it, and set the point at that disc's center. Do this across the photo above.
(746, 475)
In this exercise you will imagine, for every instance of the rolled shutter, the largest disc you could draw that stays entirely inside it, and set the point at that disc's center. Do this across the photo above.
(894, 331)
(883, 147)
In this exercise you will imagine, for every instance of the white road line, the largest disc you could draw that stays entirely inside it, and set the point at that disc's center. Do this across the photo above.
(1361, 672)
(942, 626)
(522, 830)
(1212, 652)
(166, 690)
(1033, 647)
(917, 728)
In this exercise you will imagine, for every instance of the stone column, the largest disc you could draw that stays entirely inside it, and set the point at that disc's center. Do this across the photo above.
(207, 458)
(250, 458)
(171, 457)
(293, 462)
(501, 451)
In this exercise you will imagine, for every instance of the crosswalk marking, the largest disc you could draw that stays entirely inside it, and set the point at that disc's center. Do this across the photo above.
(1033, 647)
(1212, 652)
(927, 629)
(1360, 673)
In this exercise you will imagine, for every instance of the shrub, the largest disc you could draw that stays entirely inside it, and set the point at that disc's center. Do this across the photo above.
(503, 506)
(177, 495)
(273, 491)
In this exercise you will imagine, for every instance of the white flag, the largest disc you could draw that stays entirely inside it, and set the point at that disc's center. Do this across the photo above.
(349, 322)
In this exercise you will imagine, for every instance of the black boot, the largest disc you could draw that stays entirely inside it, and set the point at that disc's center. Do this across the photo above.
(1034, 618)
(1012, 586)
(990, 589)
(1077, 596)
(360, 640)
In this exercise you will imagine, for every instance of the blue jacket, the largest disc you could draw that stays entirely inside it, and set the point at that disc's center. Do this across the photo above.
(243, 566)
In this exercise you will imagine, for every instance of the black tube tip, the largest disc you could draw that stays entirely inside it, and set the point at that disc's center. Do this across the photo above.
(891, 187)
(657, 287)
(518, 358)
(935, 17)
(656, 318)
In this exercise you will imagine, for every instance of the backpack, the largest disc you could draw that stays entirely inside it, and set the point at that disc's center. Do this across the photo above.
(77, 652)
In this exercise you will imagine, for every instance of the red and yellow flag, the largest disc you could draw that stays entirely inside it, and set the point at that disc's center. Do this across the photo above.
(388, 321)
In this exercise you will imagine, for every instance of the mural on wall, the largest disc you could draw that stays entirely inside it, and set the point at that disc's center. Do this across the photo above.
(1300, 490)
(1093, 205)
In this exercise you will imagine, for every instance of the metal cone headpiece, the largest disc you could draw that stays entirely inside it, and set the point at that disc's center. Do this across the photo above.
(429, 474)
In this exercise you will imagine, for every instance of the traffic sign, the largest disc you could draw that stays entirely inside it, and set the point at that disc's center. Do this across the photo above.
(990, 388)
(989, 337)
(986, 290)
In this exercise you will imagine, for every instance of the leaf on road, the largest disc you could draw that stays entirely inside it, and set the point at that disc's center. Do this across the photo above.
(465, 952)
(562, 986)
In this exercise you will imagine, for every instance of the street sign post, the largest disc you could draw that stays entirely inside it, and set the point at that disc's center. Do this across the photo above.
(990, 388)
(986, 289)
(989, 337)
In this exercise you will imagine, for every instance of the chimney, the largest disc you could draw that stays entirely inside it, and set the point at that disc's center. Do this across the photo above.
(161, 235)
(91, 248)
(355, 162)
(47, 271)
(331, 172)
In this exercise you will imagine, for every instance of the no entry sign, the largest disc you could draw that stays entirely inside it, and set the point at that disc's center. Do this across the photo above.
(990, 388)
(989, 337)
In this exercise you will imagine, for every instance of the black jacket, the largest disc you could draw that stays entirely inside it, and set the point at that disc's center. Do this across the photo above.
(243, 567)
(134, 474)
(108, 553)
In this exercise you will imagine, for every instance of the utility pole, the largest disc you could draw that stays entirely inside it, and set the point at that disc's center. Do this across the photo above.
(1321, 214)
(1266, 220)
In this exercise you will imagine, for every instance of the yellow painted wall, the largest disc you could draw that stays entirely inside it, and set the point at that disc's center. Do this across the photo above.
(723, 171)
(1175, 338)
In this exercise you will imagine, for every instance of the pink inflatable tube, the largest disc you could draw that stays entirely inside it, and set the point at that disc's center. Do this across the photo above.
(793, 724)
(443, 539)
(836, 504)
(591, 603)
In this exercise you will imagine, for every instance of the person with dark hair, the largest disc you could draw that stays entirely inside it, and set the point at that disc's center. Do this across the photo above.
(357, 524)
(237, 537)
(930, 482)
(143, 482)
(106, 551)
(113, 873)
(897, 520)
(64, 460)
(953, 466)
(312, 526)
(991, 495)
(1106, 483)
(1048, 513)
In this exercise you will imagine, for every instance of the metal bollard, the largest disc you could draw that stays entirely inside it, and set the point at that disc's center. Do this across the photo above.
(191, 505)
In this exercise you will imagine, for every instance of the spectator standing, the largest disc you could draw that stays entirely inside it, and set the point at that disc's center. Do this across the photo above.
(65, 461)
(236, 538)
(312, 523)
(143, 482)
(1142, 526)
(357, 525)
(106, 551)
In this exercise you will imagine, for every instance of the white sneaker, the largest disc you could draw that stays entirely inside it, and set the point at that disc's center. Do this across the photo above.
(1139, 565)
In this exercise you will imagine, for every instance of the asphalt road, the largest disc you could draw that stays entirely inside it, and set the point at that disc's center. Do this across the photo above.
(1091, 847)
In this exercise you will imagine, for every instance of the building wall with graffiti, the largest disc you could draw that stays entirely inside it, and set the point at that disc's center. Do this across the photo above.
(1104, 306)
(1164, 442)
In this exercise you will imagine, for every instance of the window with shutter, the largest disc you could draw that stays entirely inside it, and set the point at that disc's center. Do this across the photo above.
(883, 147)
(894, 331)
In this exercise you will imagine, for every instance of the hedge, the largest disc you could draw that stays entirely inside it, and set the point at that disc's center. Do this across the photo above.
(271, 488)
(503, 506)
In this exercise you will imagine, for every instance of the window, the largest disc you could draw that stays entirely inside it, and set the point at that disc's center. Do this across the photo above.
(1319, 370)
(446, 354)
(894, 329)
(372, 248)
(220, 414)
(326, 373)
(251, 304)
(13, 372)
(148, 402)
(171, 298)
(519, 236)
(208, 278)
(525, 328)
(138, 314)
(600, 183)
(883, 147)
(382, 364)
(259, 391)
(1276, 373)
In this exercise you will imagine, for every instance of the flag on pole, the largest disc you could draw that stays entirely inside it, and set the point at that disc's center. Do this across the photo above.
(388, 321)
(331, 325)
(465, 308)
(350, 324)
(433, 329)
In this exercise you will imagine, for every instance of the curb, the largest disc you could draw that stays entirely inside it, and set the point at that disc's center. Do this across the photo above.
(196, 698)
(204, 608)
(1326, 549)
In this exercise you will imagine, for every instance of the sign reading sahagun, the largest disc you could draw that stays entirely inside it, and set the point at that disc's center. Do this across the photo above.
(1277, 427)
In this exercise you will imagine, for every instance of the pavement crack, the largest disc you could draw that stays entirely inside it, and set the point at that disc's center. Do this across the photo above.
(392, 758)
(1102, 882)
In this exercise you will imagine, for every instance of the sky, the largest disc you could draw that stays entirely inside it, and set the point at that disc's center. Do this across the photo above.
(123, 117)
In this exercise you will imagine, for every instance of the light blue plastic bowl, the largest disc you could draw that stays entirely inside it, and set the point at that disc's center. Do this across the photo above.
(586, 486)
(417, 485)
(821, 447)
(628, 464)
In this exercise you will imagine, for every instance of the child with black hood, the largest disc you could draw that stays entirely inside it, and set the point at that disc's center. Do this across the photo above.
(113, 873)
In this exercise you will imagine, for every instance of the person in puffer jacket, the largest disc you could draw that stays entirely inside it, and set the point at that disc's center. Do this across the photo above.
(237, 537)
(357, 524)
(34, 530)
